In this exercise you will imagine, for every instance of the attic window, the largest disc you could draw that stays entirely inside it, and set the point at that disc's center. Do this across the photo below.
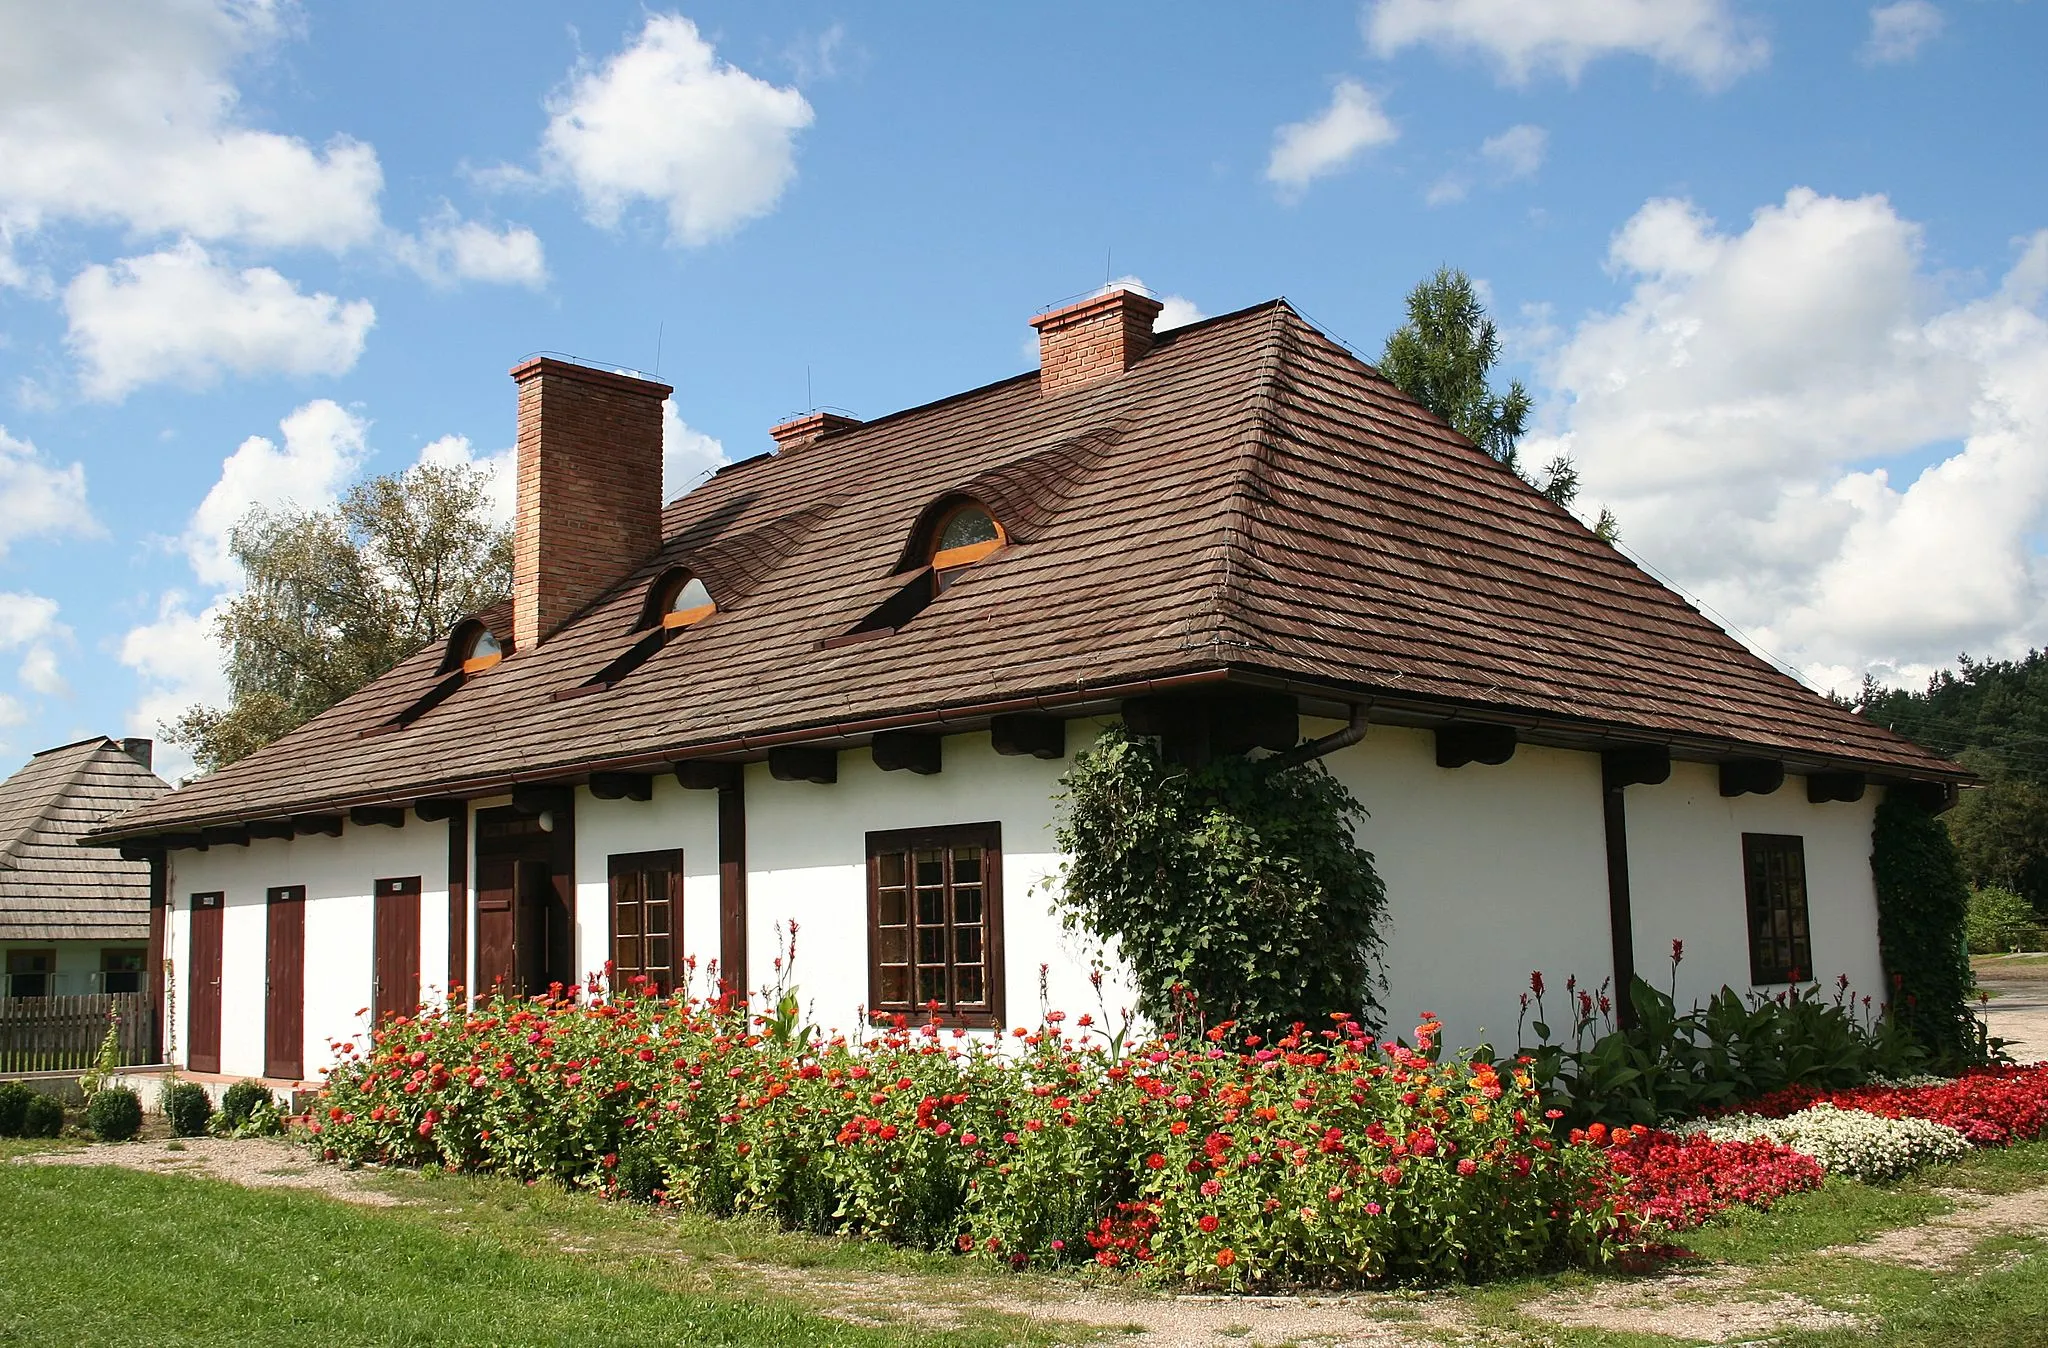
(483, 651)
(686, 602)
(964, 536)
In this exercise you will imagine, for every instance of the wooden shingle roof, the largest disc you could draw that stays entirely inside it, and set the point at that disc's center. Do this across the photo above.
(1249, 497)
(51, 889)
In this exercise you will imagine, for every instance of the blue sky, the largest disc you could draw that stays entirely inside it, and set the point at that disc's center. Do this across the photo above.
(1775, 272)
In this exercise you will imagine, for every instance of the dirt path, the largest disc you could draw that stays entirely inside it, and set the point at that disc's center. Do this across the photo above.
(253, 1162)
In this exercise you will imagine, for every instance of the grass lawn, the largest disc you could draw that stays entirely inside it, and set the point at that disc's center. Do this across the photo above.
(97, 1255)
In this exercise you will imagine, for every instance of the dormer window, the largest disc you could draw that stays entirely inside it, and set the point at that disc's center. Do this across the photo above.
(964, 536)
(687, 602)
(483, 651)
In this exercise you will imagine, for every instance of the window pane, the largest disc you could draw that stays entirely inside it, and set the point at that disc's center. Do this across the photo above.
(626, 956)
(967, 865)
(658, 957)
(931, 868)
(931, 986)
(895, 986)
(966, 528)
(895, 908)
(931, 907)
(967, 904)
(893, 945)
(971, 991)
(889, 869)
(931, 945)
(657, 918)
(626, 918)
(691, 594)
(967, 945)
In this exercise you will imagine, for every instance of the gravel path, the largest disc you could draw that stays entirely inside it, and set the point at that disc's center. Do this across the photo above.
(2018, 1014)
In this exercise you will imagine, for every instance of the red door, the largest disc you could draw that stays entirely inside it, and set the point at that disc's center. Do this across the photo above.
(396, 981)
(284, 1003)
(202, 1054)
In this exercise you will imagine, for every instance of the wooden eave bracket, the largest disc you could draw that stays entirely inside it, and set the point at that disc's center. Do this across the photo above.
(1032, 733)
(366, 816)
(1822, 787)
(804, 763)
(1751, 776)
(1460, 743)
(438, 809)
(323, 825)
(908, 751)
(707, 775)
(622, 785)
(1637, 765)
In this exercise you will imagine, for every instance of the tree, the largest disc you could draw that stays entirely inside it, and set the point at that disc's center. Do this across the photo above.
(1441, 357)
(335, 597)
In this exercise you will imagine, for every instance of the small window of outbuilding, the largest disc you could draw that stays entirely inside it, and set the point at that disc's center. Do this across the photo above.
(1774, 876)
(964, 536)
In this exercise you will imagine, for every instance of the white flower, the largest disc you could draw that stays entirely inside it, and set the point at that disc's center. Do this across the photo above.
(1848, 1142)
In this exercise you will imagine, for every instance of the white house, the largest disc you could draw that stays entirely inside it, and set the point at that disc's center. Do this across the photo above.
(837, 685)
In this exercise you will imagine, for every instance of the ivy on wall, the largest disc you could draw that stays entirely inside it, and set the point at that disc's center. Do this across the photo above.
(1922, 904)
(1242, 886)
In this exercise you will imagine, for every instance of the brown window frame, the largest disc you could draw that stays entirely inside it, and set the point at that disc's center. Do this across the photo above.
(140, 956)
(1774, 886)
(49, 975)
(624, 870)
(985, 1015)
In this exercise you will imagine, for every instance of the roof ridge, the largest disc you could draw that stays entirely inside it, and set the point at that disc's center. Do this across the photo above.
(1262, 414)
(9, 850)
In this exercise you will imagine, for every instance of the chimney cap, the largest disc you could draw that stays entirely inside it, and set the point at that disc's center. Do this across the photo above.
(797, 432)
(1134, 302)
(568, 366)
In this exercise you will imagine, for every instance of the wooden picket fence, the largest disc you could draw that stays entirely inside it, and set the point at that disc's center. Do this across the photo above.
(63, 1034)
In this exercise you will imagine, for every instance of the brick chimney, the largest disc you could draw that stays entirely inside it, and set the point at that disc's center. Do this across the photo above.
(589, 489)
(808, 429)
(1097, 339)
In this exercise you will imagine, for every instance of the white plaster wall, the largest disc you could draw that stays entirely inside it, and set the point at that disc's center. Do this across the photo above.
(675, 817)
(1491, 872)
(1686, 881)
(339, 875)
(807, 861)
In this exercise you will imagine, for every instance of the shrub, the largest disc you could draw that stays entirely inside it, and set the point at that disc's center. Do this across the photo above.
(44, 1117)
(14, 1099)
(1321, 1157)
(241, 1100)
(1670, 1065)
(1922, 903)
(115, 1114)
(188, 1107)
(1863, 1146)
(2000, 920)
(1236, 885)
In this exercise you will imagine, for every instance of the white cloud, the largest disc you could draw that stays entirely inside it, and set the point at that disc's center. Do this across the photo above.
(452, 249)
(26, 618)
(39, 672)
(665, 121)
(1898, 31)
(180, 315)
(38, 497)
(1742, 410)
(688, 455)
(1704, 39)
(1176, 311)
(323, 447)
(118, 113)
(178, 663)
(502, 469)
(1514, 154)
(1327, 142)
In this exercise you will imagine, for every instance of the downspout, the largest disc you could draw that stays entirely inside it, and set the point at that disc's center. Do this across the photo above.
(1308, 750)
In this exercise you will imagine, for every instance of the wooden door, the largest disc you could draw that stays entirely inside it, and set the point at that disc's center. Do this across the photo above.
(496, 934)
(202, 1051)
(284, 998)
(395, 985)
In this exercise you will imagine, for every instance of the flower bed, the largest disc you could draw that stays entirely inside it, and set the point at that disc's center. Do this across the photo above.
(1989, 1107)
(1323, 1158)
(1679, 1181)
(1862, 1146)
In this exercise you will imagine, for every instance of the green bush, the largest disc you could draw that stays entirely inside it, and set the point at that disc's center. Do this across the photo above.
(188, 1107)
(1922, 904)
(115, 1114)
(2000, 920)
(14, 1098)
(43, 1118)
(241, 1100)
(1233, 886)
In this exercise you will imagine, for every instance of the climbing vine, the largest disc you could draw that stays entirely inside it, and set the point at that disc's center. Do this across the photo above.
(1239, 886)
(1922, 904)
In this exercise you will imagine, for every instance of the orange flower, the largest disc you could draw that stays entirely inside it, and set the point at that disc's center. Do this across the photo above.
(1225, 1257)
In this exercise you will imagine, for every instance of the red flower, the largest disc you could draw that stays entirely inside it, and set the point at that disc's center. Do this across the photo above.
(1155, 1162)
(1208, 1223)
